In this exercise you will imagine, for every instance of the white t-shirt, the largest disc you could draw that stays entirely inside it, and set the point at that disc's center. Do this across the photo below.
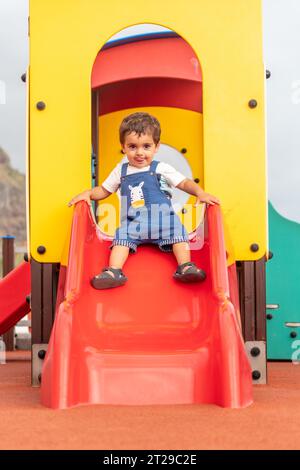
(170, 177)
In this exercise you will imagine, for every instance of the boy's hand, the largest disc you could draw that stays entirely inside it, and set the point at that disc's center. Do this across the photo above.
(207, 198)
(85, 196)
(190, 187)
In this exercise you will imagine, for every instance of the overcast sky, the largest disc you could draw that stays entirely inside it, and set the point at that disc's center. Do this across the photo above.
(13, 63)
(282, 57)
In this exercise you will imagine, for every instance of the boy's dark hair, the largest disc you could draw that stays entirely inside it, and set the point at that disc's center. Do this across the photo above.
(140, 123)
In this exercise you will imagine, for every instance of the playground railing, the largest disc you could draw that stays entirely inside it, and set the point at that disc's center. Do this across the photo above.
(11, 256)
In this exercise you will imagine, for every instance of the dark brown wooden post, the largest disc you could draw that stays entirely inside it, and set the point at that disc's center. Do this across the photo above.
(44, 279)
(260, 289)
(252, 290)
(248, 300)
(8, 263)
(36, 302)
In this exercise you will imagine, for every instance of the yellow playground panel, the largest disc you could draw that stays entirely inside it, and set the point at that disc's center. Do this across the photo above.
(229, 150)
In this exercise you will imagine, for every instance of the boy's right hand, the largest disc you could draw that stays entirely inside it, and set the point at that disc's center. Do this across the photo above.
(85, 196)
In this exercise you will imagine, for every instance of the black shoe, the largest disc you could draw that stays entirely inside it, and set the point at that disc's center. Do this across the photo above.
(191, 274)
(104, 280)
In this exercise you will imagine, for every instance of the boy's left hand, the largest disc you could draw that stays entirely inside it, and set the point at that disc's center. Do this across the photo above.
(207, 198)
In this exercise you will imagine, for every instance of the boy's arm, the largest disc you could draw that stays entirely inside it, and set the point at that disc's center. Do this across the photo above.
(190, 187)
(96, 194)
(112, 182)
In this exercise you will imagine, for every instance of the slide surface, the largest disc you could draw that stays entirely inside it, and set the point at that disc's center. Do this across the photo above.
(13, 291)
(152, 341)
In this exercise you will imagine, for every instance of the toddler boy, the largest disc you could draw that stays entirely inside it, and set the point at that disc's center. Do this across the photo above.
(147, 215)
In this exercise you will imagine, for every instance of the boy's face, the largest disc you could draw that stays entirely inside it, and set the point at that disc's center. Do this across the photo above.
(139, 150)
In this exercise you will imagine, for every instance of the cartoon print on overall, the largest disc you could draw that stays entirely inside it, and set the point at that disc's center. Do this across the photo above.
(136, 195)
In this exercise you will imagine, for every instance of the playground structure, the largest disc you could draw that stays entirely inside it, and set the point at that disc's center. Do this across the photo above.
(212, 114)
(282, 298)
(15, 288)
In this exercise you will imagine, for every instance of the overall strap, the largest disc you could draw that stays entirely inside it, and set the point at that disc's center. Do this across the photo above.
(124, 170)
(153, 165)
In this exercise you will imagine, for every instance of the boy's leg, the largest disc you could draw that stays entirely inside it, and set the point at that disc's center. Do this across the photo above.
(113, 275)
(186, 271)
(182, 253)
(118, 256)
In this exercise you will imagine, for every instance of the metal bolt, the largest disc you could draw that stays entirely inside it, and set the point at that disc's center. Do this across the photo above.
(184, 150)
(42, 353)
(269, 316)
(183, 211)
(255, 351)
(254, 247)
(252, 104)
(23, 77)
(26, 257)
(41, 105)
(28, 299)
(268, 74)
(256, 375)
(197, 180)
(41, 249)
(293, 334)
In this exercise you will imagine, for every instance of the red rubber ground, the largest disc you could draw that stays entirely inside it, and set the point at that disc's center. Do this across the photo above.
(271, 422)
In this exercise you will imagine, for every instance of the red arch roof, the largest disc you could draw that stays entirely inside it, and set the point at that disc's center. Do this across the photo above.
(169, 57)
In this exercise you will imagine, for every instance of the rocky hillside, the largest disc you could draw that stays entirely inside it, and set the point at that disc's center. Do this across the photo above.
(12, 200)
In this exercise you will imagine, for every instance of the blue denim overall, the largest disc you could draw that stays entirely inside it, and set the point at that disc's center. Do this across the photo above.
(147, 215)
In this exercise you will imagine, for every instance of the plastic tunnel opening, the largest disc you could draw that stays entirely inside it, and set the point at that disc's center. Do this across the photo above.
(156, 72)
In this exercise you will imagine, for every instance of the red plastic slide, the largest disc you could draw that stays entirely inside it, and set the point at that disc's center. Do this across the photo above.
(13, 291)
(152, 341)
